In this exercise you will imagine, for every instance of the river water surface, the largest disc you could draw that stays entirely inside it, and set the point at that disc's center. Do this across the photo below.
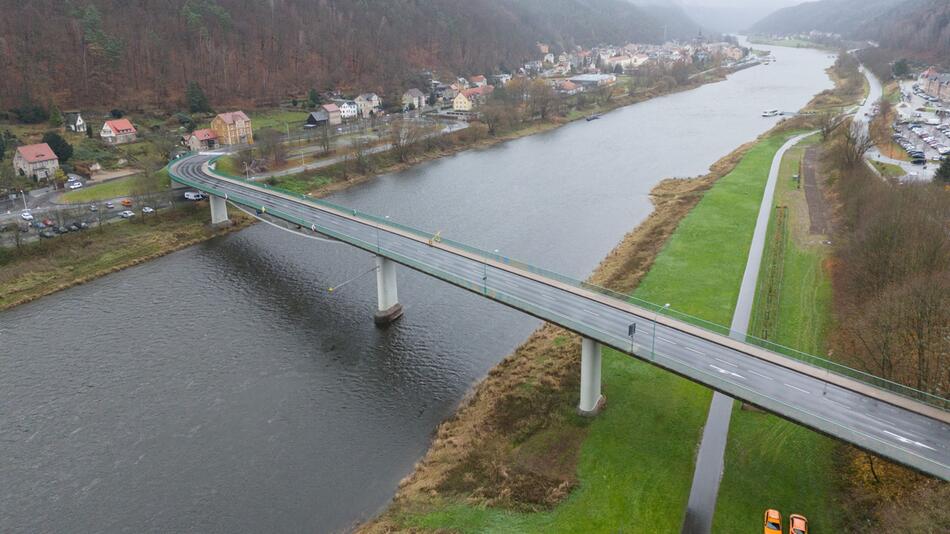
(224, 389)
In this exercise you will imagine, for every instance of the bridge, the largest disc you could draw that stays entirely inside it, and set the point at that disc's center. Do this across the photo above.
(905, 425)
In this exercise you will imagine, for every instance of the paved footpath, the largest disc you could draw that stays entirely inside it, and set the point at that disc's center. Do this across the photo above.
(709, 463)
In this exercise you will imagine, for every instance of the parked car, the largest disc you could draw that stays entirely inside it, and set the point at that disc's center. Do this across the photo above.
(773, 522)
(127, 214)
(26, 215)
(75, 185)
(194, 195)
(110, 205)
(47, 234)
(126, 202)
(93, 208)
(797, 524)
(147, 209)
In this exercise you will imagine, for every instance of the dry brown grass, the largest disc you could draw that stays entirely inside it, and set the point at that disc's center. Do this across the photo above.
(45, 267)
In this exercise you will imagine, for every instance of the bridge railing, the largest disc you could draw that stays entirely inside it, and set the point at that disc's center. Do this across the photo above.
(651, 307)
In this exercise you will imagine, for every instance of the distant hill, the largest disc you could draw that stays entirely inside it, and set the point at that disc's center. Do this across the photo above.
(916, 28)
(143, 53)
(833, 16)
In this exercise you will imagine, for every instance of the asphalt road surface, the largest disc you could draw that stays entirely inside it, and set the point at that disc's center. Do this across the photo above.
(884, 428)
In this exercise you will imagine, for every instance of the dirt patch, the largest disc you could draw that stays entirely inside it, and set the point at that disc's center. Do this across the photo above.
(818, 211)
(515, 440)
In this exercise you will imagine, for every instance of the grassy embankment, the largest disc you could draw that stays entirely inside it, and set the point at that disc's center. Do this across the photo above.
(44, 267)
(121, 187)
(770, 462)
(634, 461)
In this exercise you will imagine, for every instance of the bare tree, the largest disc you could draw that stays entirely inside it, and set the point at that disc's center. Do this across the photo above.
(856, 144)
(827, 122)
(403, 136)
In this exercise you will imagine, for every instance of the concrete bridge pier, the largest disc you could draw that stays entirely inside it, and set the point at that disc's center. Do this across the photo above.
(389, 307)
(591, 399)
(219, 210)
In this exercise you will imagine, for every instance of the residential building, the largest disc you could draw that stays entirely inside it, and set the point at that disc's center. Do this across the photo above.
(38, 162)
(413, 99)
(462, 102)
(935, 84)
(118, 132)
(325, 115)
(470, 98)
(369, 104)
(568, 87)
(501, 79)
(233, 128)
(74, 122)
(478, 81)
(348, 109)
(204, 139)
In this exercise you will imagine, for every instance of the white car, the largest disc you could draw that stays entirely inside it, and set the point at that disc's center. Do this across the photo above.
(127, 214)
(194, 195)
(75, 185)
(147, 209)
(26, 215)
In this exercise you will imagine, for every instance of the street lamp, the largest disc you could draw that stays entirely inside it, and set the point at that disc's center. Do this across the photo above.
(655, 317)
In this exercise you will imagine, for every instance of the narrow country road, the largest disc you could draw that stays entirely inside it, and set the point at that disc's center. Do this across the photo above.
(709, 462)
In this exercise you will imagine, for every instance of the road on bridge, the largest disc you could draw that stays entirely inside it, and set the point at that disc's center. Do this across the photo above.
(904, 430)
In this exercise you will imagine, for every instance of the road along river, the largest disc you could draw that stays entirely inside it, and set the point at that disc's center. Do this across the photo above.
(224, 389)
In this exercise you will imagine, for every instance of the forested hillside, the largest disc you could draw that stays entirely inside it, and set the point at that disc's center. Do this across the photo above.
(833, 16)
(916, 28)
(919, 29)
(142, 52)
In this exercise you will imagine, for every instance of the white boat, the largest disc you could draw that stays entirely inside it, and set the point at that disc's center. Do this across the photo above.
(770, 113)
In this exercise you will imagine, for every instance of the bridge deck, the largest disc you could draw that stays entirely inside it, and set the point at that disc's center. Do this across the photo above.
(902, 429)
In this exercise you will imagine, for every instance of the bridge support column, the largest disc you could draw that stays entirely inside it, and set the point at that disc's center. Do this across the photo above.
(389, 307)
(591, 399)
(219, 210)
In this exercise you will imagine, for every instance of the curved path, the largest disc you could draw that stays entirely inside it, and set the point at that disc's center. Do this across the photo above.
(905, 430)
(712, 449)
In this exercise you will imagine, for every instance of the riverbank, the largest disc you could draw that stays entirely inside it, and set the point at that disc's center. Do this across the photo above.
(516, 454)
(44, 267)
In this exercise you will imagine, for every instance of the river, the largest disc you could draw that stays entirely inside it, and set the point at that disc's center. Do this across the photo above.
(224, 389)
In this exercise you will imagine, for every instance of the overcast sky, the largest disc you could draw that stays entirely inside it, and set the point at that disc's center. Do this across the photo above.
(755, 4)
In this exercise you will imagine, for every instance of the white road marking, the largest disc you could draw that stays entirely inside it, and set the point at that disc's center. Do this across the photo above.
(725, 372)
(798, 388)
(693, 350)
(760, 375)
(725, 362)
(590, 312)
(902, 439)
(670, 341)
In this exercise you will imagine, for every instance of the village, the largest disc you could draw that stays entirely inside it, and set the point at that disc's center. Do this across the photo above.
(80, 151)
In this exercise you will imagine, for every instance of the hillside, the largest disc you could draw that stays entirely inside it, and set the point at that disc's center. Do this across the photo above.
(137, 53)
(833, 16)
(916, 28)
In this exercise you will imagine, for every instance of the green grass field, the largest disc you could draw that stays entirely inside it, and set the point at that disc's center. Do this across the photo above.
(121, 187)
(636, 464)
(770, 462)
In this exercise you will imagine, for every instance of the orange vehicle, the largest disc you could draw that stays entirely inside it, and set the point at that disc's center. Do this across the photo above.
(126, 202)
(797, 524)
(773, 522)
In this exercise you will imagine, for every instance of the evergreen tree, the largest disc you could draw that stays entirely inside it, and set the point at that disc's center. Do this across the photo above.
(197, 101)
(943, 172)
(3, 146)
(61, 148)
(313, 98)
(55, 117)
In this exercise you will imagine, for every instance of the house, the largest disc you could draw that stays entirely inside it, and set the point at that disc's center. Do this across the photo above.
(568, 87)
(348, 109)
(478, 81)
(325, 115)
(233, 128)
(38, 162)
(204, 139)
(74, 122)
(118, 131)
(413, 99)
(935, 84)
(368, 104)
(548, 58)
(469, 98)
(501, 79)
